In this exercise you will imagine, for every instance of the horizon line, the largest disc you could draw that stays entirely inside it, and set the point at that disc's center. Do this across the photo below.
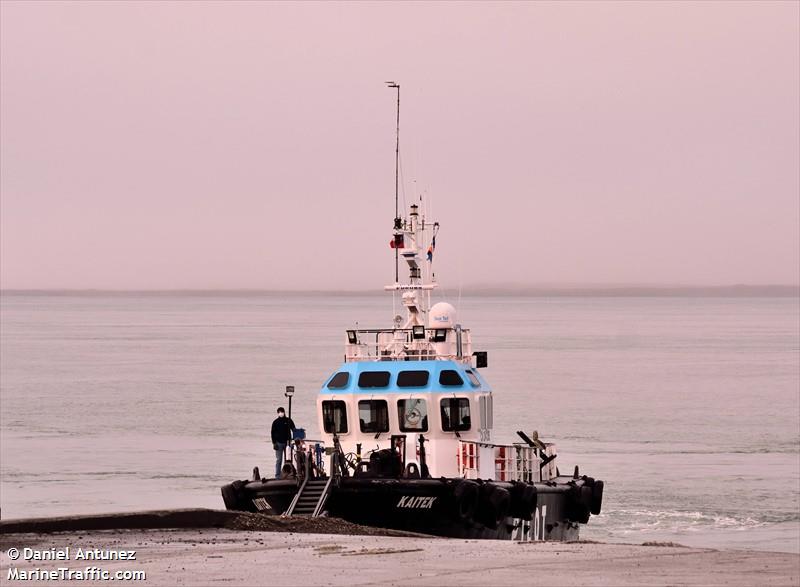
(729, 290)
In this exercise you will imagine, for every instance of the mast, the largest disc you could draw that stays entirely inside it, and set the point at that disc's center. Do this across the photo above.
(397, 221)
(408, 235)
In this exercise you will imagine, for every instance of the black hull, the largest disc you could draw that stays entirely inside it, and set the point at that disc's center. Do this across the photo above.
(441, 507)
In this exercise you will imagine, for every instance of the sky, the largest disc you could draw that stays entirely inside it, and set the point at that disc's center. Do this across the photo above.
(186, 145)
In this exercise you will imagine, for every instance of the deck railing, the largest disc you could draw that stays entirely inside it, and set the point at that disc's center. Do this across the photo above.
(510, 462)
(393, 344)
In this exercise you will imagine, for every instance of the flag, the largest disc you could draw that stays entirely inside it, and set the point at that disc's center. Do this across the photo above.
(431, 248)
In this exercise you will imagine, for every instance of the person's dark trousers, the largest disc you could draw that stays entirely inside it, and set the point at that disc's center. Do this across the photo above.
(279, 450)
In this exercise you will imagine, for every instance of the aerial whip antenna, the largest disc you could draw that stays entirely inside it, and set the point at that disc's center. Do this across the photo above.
(397, 221)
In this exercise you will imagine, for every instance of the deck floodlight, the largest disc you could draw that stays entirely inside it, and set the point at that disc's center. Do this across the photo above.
(352, 337)
(289, 391)
(418, 331)
(439, 335)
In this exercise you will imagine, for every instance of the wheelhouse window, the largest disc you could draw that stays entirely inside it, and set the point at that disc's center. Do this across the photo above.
(374, 379)
(412, 379)
(455, 414)
(373, 415)
(450, 378)
(340, 380)
(473, 379)
(334, 416)
(412, 415)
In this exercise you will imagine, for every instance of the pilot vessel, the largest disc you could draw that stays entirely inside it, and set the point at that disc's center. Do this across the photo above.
(406, 426)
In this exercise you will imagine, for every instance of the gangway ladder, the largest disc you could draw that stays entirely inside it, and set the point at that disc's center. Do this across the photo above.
(311, 497)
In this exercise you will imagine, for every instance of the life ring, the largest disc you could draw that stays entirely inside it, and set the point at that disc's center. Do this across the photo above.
(466, 500)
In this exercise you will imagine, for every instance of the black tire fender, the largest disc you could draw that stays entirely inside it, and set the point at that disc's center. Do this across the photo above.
(517, 495)
(230, 495)
(501, 501)
(586, 496)
(529, 499)
(466, 500)
(597, 497)
(579, 502)
(493, 505)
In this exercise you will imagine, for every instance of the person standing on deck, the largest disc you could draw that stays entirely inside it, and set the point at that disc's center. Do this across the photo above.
(282, 428)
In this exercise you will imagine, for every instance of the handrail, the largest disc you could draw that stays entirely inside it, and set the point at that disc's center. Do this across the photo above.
(296, 498)
(322, 498)
(393, 330)
(306, 477)
(410, 355)
(510, 462)
(400, 343)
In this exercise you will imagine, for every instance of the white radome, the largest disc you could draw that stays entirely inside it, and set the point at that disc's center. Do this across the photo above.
(442, 315)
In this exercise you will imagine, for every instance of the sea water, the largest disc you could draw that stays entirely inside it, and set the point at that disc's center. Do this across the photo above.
(688, 408)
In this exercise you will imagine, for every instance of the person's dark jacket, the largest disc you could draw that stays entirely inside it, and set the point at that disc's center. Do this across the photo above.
(282, 430)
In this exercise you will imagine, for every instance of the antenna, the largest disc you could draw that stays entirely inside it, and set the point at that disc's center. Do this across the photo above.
(397, 223)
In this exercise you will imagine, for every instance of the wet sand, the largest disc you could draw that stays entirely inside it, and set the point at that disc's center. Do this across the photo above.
(205, 556)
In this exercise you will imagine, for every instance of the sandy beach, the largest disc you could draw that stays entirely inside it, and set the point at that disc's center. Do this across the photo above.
(204, 556)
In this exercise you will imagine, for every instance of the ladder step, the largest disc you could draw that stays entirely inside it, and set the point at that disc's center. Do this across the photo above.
(314, 491)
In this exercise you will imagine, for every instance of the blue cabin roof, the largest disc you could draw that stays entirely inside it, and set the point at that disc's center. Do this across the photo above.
(404, 377)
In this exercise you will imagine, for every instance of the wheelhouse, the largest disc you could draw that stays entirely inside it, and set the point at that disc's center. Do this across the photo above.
(365, 403)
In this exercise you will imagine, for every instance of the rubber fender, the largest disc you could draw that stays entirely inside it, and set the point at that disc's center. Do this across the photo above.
(523, 500)
(528, 502)
(517, 494)
(597, 497)
(493, 505)
(483, 513)
(230, 496)
(466, 499)
(501, 501)
(579, 501)
(586, 496)
(579, 514)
